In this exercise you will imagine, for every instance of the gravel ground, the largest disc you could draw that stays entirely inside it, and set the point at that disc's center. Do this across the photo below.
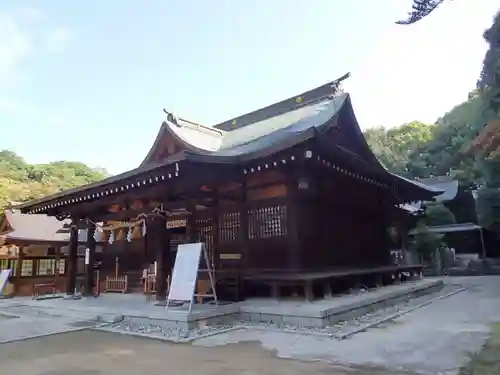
(100, 353)
(146, 327)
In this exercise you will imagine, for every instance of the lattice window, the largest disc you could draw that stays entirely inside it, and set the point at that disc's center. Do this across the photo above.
(206, 235)
(266, 222)
(4, 264)
(62, 266)
(27, 267)
(229, 227)
(13, 266)
(45, 267)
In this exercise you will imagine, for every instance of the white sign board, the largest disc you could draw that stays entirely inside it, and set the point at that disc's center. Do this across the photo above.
(187, 261)
(87, 257)
(4, 275)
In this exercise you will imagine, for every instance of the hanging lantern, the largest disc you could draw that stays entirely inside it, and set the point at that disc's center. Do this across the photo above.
(143, 227)
(129, 234)
(111, 237)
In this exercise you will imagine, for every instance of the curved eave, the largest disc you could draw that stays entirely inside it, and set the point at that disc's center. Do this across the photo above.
(188, 135)
(421, 191)
(358, 143)
(139, 172)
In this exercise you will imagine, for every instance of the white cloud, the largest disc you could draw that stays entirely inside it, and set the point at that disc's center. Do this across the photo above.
(22, 34)
(10, 105)
(16, 45)
(29, 14)
(57, 39)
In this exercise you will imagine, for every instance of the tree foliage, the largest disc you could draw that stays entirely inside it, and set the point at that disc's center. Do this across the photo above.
(489, 80)
(420, 9)
(418, 150)
(20, 181)
(438, 214)
(425, 242)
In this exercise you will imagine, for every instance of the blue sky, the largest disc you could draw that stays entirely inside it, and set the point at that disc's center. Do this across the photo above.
(88, 82)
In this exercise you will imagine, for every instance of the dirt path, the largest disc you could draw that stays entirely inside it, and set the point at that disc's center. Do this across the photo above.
(99, 353)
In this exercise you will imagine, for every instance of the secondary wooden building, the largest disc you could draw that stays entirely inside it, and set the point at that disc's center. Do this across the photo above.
(290, 189)
(36, 252)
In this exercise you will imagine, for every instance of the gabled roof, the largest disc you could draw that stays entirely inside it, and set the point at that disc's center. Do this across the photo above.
(311, 108)
(34, 228)
(192, 136)
(261, 133)
(446, 184)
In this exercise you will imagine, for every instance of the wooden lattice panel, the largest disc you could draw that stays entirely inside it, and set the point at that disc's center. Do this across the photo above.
(229, 227)
(205, 228)
(266, 222)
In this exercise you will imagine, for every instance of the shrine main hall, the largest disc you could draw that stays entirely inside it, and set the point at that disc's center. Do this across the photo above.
(286, 195)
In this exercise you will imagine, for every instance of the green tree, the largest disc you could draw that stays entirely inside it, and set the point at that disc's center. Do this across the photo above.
(420, 10)
(20, 181)
(399, 149)
(488, 200)
(438, 214)
(424, 242)
(418, 150)
(489, 80)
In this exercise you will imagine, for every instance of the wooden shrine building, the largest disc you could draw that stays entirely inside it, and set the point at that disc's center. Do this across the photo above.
(288, 189)
(35, 250)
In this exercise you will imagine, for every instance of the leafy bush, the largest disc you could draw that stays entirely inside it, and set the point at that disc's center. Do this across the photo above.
(424, 242)
(438, 214)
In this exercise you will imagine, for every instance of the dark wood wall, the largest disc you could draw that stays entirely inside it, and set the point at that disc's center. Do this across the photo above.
(338, 222)
(330, 221)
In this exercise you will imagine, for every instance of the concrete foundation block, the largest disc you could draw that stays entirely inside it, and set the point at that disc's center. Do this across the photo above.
(272, 319)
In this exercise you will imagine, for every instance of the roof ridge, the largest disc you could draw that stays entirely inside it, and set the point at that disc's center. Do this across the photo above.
(317, 94)
(172, 118)
(193, 125)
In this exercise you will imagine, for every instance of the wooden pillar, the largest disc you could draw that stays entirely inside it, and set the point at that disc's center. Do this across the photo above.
(244, 224)
(292, 223)
(158, 242)
(192, 226)
(17, 275)
(215, 229)
(89, 268)
(163, 259)
(72, 257)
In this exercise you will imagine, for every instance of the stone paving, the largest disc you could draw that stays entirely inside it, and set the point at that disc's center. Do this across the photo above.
(435, 339)
(18, 322)
(161, 329)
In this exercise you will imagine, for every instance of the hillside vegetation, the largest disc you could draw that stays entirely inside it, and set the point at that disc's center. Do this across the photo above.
(20, 181)
(418, 150)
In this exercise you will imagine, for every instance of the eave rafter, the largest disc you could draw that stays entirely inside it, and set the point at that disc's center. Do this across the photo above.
(59, 204)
